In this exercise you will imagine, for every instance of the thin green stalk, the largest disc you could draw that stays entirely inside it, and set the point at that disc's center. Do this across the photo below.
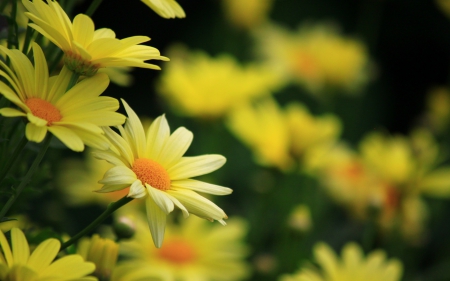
(112, 207)
(93, 7)
(14, 157)
(28, 36)
(73, 80)
(13, 28)
(34, 167)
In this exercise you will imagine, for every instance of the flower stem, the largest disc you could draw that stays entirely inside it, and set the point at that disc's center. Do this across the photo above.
(27, 178)
(93, 7)
(73, 80)
(13, 159)
(13, 28)
(109, 210)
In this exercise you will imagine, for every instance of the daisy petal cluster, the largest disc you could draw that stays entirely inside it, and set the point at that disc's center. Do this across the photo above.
(19, 264)
(86, 49)
(153, 166)
(352, 266)
(74, 117)
(166, 8)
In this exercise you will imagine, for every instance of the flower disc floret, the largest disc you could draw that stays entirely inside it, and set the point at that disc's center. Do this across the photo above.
(152, 173)
(44, 110)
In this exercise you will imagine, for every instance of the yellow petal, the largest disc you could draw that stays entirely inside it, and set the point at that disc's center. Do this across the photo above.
(68, 137)
(35, 133)
(20, 249)
(188, 167)
(44, 254)
(175, 147)
(156, 221)
(201, 187)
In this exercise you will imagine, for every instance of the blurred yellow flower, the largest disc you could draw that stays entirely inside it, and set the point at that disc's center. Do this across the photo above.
(315, 56)
(195, 84)
(438, 108)
(18, 264)
(100, 251)
(154, 168)
(247, 14)
(352, 266)
(78, 179)
(193, 250)
(300, 218)
(166, 8)
(74, 117)
(85, 49)
(444, 5)
(264, 129)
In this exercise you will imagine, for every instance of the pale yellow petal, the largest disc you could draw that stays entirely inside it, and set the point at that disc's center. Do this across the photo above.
(201, 187)
(161, 199)
(6, 249)
(156, 221)
(11, 112)
(175, 147)
(35, 133)
(40, 71)
(157, 135)
(188, 167)
(136, 131)
(326, 257)
(137, 190)
(118, 175)
(67, 137)
(20, 249)
(44, 254)
(83, 29)
(68, 268)
(110, 157)
(121, 145)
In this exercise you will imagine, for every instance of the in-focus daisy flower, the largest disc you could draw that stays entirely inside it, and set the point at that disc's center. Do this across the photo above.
(86, 49)
(19, 264)
(168, 9)
(351, 266)
(153, 167)
(247, 14)
(192, 250)
(317, 57)
(197, 85)
(74, 117)
(264, 129)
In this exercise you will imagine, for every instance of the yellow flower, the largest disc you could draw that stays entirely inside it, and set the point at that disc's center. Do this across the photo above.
(18, 264)
(78, 178)
(154, 168)
(166, 8)
(317, 57)
(263, 128)
(300, 218)
(247, 14)
(100, 251)
(193, 250)
(74, 117)
(352, 266)
(85, 49)
(195, 84)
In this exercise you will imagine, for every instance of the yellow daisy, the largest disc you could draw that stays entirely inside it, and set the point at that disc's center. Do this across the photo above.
(74, 117)
(193, 250)
(353, 266)
(168, 9)
(153, 167)
(86, 49)
(18, 264)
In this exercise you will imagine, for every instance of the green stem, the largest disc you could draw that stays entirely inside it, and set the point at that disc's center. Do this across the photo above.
(109, 210)
(26, 44)
(93, 7)
(14, 157)
(13, 28)
(73, 81)
(34, 167)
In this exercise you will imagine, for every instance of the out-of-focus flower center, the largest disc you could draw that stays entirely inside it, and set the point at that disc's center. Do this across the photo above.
(151, 172)
(44, 110)
(177, 251)
(77, 64)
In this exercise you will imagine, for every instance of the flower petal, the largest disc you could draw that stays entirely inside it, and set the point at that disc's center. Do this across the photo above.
(156, 221)
(68, 137)
(35, 133)
(118, 175)
(67, 268)
(202, 187)
(157, 135)
(160, 199)
(188, 167)
(6, 249)
(134, 128)
(44, 254)
(137, 190)
(20, 249)
(175, 147)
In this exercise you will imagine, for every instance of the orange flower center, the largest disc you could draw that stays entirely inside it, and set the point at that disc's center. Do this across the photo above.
(151, 172)
(177, 251)
(44, 110)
